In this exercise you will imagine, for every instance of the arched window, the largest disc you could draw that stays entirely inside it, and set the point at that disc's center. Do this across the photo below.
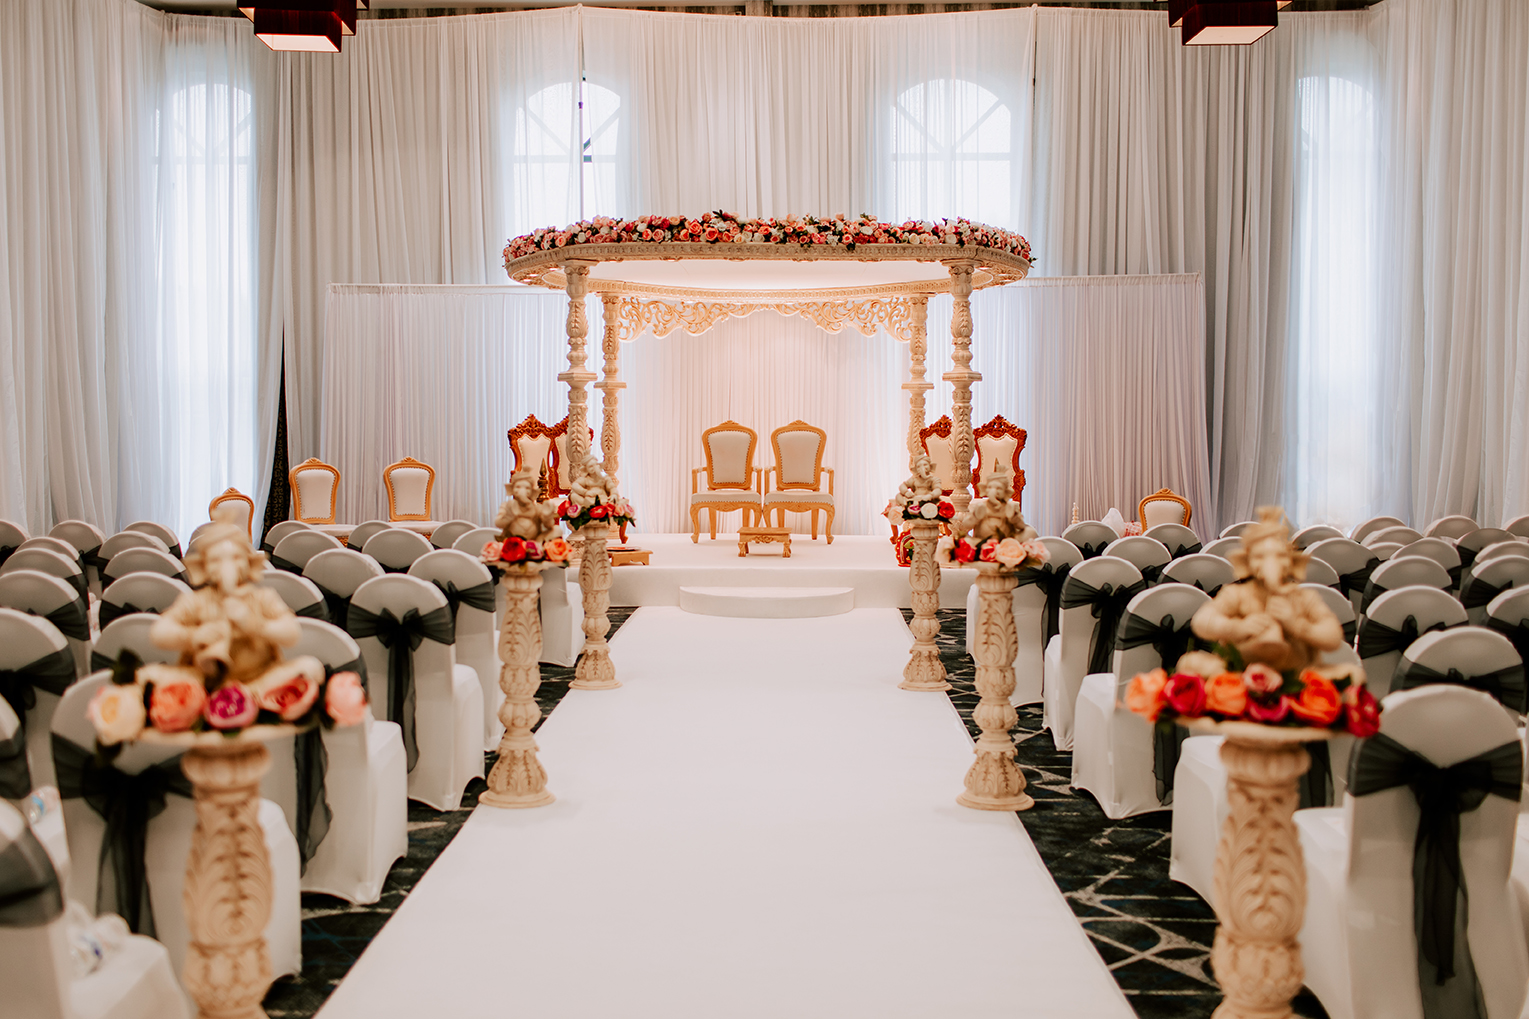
(952, 153)
(564, 155)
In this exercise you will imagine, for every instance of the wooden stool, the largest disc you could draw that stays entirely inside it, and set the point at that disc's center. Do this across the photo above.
(623, 555)
(765, 534)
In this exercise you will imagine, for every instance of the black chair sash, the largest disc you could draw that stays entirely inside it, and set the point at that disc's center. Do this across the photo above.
(15, 773)
(80, 584)
(393, 569)
(1184, 550)
(313, 610)
(1454, 576)
(127, 803)
(339, 608)
(1507, 684)
(285, 565)
(1212, 591)
(402, 637)
(1376, 638)
(1351, 632)
(1518, 633)
(312, 760)
(71, 619)
(1109, 604)
(1442, 795)
(1051, 582)
(111, 612)
(30, 895)
(90, 559)
(1170, 641)
(5, 553)
(1153, 574)
(1358, 580)
(1467, 556)
(478, 596)
(53, 673)
(1372, 591)
(1316, 785)
(1478, 592)
(1092, 550)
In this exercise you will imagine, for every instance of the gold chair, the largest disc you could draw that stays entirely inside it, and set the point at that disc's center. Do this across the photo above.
(315, 488)
(999, 442)
(1163, 507)
(731, 477)
(409, 483)
(935, 439)
(247, 508)
(798, 474)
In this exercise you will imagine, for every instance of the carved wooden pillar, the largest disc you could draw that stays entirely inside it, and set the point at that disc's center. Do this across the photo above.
(611, 387)
(518, 778)
(995, 781)
(577, 376)
(925, 671)
(1260, 878)
(961, 378)
(228, 882)
(917, 385)
(595, 670)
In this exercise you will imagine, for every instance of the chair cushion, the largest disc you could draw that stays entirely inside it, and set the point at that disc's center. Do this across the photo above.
(994, 451)
(942, 455)
(822, 498)
(535, 450)
(1162, 511)
(315, 490)
(410, 486)
(564, 479)
(799, 453)
(735, 495)
(729, 457)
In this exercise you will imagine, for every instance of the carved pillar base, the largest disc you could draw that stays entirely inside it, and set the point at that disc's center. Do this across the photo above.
(228, 882)
(995, 781)
(1260, 877)
(925, 671)
(595, 670)
(518, 778)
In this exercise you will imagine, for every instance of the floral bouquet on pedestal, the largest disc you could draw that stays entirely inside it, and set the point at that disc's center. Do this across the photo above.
(575, 516)
(1010, 553)
(511, 552)
(934, 509)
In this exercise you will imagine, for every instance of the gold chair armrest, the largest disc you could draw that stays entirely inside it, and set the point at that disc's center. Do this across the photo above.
(695, 479)
(830, 471)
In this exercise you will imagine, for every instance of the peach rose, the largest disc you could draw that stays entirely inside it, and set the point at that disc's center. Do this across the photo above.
(290, 690)
(176, 697)
(1009, 552)
(556, 550)
(1225, 694)
(1145, 694)
(1318, 703)
(345, 699)
(1261, 679)
(491, 552)
(117, 713)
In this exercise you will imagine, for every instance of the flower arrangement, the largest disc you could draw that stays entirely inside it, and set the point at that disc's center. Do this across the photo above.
(513, 551)
(575, 515)
(1219, 687)
(936, 509)
(802, 231)
(1007, 552)
(177, 699)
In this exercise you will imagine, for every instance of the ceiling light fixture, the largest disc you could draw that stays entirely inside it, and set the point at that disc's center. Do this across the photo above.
(312, 26)
(1224, 22)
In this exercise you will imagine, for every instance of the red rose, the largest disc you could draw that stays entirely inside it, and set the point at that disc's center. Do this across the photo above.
(964, 552)
(1270, 714)
(946, 510)
(1361, 711)
(989, 553)
(566, 509)
(513, 550)
(1185, 694)
(711, 233)
(598, 512)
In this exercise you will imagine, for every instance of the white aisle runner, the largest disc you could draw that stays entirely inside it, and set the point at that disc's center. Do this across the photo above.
(757, 824)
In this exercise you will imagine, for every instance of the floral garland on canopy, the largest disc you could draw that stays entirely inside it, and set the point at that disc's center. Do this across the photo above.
(802, 231)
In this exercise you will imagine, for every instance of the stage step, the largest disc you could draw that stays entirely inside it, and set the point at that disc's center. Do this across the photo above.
(767, 602)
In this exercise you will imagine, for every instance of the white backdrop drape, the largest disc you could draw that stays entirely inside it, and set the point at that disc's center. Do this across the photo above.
(1103, 372)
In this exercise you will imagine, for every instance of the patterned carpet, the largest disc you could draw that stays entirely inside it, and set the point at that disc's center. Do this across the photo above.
(1154, 934)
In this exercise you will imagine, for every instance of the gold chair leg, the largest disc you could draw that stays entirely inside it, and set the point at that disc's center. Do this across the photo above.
(814, 525)
(828, 525)
(695, 525)
(711, 515)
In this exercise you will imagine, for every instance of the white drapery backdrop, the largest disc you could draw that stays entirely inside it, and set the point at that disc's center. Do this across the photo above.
(1102, 372)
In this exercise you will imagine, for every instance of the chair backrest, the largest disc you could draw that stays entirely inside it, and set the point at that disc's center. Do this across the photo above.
(196, 534)
(1404, 572)
(1207, 572)
(35, 965)
(300, 546)
(1385, 549)
(362, 533)
(44, 561)
(1464, 654)
(1319, 572)
(130, 633)
(1235, 530)
(999, 441)
(154, 529)
(396, 549)
(1155, 605)
(799, 451)
(446, 565)
(1399, 535)
(332, 646)
(315, 487)
(446, 535)
(341, 570)
(81, 534)
(1445, 725)
(1438, 549)
(35, 592)
(1091, 537)
(1308, 536)
(1453, 527)
(1480, 538)
(1518, 526)
(1164, 507)
(1077, 624)
(124, 540)
(1491, 578)
(729, 451)
(937, 445)
(1224, 547)
(1063, 553)
(24, 638)
(473, 541)
(1337, 603)
(1179, 540)
(147, 592)
(1520, 549)
(245, 504)
(144, 560)
(1374, 524)
(535, 444)
(280, 530)
(399, 593)
(1429, 609)
(298, 593)
(409, 483)
(58, 545)
(1146, 554)
(11, 534)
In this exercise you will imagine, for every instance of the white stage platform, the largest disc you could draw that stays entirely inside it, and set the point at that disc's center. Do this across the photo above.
(758, 823)
(864, 563)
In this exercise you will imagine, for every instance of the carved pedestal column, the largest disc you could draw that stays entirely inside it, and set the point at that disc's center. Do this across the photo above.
(595, 670)
(228, 882)
(518, 778)
(917, 385)
(995, 781)
(961, 377)
(925, 671)
(1260, 875)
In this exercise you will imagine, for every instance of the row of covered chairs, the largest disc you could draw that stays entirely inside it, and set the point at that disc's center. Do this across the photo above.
(734, 483)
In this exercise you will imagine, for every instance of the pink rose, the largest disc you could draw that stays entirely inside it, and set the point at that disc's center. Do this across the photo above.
(345, 699)
(1185, 694)
(230, 707)
(1361, 711)
(491, 553)
(176, 702)
(533, 550)
(1269, 714)
(292, 692)
(1262, 680)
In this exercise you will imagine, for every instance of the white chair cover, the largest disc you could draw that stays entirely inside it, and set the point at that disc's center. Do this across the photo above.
(1030, 617)
(56, 601)
(1404, 571)
(1440, 551)
(477, 638)
(1518, 526)
(1471, 544)
(170, 538)
(54, 565)
(472, 541)
(86, 539)
(1359, 942)
(1508, 614)
(139, 592)
(133, 982)
(1398, 535)
(58, 545)
(280, 530)
(337, 573)
(1224, 547)
(1090, 537)
(1235, 530)
(33, 646)
(1518, 549)
(169, 843)
(1178, 539)
(1147, 554)
(1452, 527)
(1470, 656)
(1210, 573)
(1309, 536)
(1385, 632)
(446, 535)
(1351, 561)
(143, 560)
(1068, 653)
(12, 534)
(292, 553)
(396, 549)
(129, 633)
(367, 782)
(1113, 747)
(124, 540)
(362, 533)
(299, 594)
(1490, 579)
(1384, 550)
(562, 609)
(448, 713)
(1319, 572)
(1374, 524)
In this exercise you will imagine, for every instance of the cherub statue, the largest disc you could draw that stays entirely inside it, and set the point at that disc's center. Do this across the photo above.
(1266, 615)
(521, 515)
(922, 485)
(996, 516)
(591, 485)
(230, 628)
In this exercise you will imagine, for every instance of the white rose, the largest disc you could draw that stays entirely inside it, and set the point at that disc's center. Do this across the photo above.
(929, 511)
(117, 713)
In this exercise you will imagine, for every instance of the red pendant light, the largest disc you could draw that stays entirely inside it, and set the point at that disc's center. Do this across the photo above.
(314, 26)
(1224, 22)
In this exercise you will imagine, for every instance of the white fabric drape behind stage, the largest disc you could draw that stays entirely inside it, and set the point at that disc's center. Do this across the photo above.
(1106, 374)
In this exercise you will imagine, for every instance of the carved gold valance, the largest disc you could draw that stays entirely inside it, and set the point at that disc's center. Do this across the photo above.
(898, 316)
